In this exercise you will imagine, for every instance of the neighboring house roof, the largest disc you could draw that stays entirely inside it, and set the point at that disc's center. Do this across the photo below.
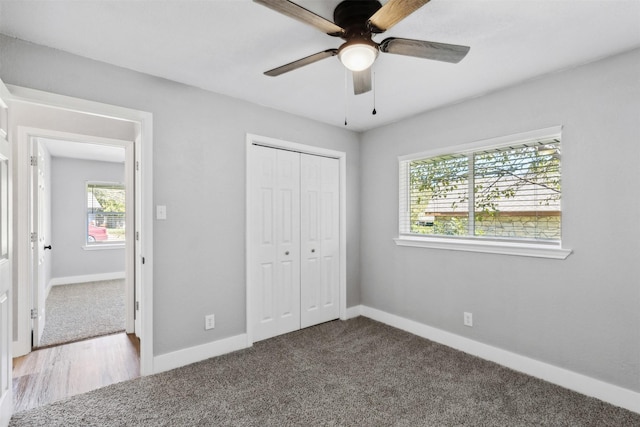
(528, 198)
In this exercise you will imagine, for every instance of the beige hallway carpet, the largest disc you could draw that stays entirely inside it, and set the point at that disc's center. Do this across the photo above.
(84, 310)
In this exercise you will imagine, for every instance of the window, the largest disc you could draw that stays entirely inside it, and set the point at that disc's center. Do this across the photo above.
(492, 194)
(105, 214)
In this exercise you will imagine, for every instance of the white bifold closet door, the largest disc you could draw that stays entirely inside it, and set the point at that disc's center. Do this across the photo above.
(319, 239)
(294, 212)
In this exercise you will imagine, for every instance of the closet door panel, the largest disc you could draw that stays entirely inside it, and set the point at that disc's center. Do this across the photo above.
(275, 240)
(319, 189)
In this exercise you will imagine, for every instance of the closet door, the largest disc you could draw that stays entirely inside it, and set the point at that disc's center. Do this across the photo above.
(320, 245)
(275, 240)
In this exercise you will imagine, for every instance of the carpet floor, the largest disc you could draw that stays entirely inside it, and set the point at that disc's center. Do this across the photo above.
(84, 310)
(352, 373)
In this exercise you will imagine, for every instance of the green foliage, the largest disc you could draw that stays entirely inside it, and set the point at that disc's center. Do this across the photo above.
(501, 175)
(522, 176)
(112, 206)
(112, 199)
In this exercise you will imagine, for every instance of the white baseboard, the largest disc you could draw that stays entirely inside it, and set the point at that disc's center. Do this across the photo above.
(20, 349)
(86, 278)
(354, 311)
(190, 355)
(610, 393)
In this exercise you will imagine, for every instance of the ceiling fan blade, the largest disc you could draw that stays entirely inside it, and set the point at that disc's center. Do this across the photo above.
(393, 12)
(361, 81)
(301, 62)
(294, 11)
(423, 49)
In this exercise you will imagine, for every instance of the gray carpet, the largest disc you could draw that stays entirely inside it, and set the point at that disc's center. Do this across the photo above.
(84, 310)
(353, 373)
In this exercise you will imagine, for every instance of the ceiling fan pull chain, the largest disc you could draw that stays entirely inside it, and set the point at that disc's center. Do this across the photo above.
(374, 112)
(346, 87)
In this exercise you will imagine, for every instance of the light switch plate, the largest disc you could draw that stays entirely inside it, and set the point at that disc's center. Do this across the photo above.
(161, 212)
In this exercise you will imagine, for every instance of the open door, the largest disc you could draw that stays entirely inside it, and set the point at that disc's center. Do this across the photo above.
(38, 241)
(6, 397)
(135, 157)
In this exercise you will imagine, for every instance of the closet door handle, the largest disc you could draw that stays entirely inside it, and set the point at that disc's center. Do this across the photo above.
(286, 253)
(48, 247)
(313, 251)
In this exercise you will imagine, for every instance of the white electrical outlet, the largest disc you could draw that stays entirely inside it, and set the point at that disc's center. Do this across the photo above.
(209, 321)
(468, 319)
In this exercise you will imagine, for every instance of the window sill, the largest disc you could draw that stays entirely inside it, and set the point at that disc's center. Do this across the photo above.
(101, 247)
(490, 247)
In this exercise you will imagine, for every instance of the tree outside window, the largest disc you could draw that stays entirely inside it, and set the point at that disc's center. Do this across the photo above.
(105, 213)
(516, 193)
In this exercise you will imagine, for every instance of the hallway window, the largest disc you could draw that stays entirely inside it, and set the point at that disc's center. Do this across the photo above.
(105, 213)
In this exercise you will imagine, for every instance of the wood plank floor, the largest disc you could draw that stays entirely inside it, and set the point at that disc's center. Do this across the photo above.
(54, 373)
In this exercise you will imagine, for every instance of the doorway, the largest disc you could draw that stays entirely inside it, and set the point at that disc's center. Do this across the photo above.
(37, 113)
(295, 236)
(37, 110)
(80, 193)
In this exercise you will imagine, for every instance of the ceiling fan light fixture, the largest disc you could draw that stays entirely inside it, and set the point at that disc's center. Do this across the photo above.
(359, 55)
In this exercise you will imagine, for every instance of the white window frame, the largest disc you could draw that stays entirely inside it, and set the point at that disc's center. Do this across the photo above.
(539, 249)
(99, 246)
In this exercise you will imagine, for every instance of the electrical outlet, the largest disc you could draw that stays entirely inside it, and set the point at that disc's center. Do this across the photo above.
(468, 319)
(209, 321)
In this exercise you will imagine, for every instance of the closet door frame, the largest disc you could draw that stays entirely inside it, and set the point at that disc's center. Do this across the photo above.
(253, 140)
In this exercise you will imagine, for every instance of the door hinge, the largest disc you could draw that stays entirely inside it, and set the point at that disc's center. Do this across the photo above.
(137, 305)
(137, 165)
(143, 260)
(34, 237)
(137, 235)
(34, 161)
(34, 313)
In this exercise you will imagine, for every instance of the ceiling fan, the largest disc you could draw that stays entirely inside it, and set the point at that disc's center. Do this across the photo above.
(357, 21)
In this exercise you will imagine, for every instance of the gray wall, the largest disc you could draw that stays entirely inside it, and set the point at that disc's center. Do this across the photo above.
(68, 218)
(582, 313)
(199, 174)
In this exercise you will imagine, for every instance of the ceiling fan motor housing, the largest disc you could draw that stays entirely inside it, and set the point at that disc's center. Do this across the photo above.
(353, 15)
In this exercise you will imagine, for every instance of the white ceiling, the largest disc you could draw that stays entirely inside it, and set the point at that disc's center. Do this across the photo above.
(225, 45)
(83, 150)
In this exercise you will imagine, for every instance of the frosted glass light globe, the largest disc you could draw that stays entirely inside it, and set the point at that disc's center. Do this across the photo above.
(358, 56)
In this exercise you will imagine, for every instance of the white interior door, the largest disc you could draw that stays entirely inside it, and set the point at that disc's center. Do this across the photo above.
(132, 209)
(275, 267)
(320, 239)
(6, 398)
(137, 258)
(38, 242)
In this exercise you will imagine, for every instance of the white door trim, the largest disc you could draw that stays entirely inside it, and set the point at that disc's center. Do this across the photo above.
(144, 155)
(6, 292)
(251, 140)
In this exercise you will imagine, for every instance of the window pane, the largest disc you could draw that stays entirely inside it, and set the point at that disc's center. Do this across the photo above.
(438, 195)
(105, 213)
(517, 192)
